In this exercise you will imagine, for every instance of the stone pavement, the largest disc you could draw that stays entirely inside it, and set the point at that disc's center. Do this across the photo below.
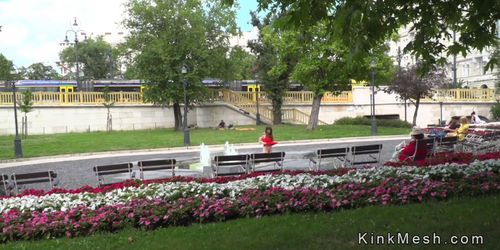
(76, 170)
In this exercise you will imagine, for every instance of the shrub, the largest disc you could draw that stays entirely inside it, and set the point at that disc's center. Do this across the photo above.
(366, 121)
(495, 111)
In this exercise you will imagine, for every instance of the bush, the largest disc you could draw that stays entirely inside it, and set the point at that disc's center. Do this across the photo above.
(495, 111)
(366, 121)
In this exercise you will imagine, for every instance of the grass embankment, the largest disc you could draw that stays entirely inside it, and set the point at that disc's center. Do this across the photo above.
(338, 230)
(43, 145)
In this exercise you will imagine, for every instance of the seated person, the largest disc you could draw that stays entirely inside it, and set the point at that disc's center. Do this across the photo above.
(452, 125)
(474, 119)
(405, 151)
(462, 130)
(222, 124)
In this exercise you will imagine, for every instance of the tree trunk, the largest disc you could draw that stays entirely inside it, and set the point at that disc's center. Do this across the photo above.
(277, 115)
(313, 119)
(177, 116)
(417, 103)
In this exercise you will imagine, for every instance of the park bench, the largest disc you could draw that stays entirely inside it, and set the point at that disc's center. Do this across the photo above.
(225, 161)
(366, 154)
(33, 178)
(446, 144)
(154, 165)
(338, 155)
(112, 169)
(429, 146)
(5, 184)
(277, 158)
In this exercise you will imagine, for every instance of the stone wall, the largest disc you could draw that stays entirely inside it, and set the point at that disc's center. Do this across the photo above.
(65, 119)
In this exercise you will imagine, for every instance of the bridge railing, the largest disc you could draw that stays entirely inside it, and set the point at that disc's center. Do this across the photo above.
(462, 95)
(75, 98)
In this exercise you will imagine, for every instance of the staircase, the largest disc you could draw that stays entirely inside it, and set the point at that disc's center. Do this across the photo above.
(246, 102)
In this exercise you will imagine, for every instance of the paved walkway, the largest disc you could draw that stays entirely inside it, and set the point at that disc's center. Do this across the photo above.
(76, 170)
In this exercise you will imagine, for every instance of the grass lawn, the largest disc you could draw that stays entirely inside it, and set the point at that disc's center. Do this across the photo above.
(338, 230)
(41, 145)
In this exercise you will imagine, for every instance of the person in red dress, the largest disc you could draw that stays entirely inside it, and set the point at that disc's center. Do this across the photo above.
(405, 151)
(267, 140)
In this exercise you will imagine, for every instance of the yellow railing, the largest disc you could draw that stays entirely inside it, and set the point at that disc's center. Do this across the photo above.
(295, 115)
(57, 98)
(462, 95)
(307, 97)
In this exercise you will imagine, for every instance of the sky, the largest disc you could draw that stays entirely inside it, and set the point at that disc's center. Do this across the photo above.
(32, 30)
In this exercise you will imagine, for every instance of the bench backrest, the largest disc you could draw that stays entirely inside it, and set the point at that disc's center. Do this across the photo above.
(112, 169)
(5, 182)
(448, 141)
(32, 178)
(267, 157)
(372, 151)
(153, 165)
(332, 152)
(231, 160)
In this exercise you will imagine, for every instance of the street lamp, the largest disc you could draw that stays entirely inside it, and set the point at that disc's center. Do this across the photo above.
(18, 150)
(257, 91)
(373, 65)
(75, 30)
(185, 128)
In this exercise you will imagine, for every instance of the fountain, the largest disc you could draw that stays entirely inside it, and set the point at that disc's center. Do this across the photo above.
(205, 160)
(229, 149)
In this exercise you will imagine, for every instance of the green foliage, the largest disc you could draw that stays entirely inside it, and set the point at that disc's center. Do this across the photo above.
(107, 102)
(495, 111)
(38, 71)
(365, 24)
(367, 121)
(240, 64)
(6, 66)
(96, 57)
(169, 34)
(26, 102)
(275, 61)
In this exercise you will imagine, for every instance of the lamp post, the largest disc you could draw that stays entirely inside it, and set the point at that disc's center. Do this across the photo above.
(185, 128)
(75, 29)
(257, 116)
(18, 150)
(373, 65)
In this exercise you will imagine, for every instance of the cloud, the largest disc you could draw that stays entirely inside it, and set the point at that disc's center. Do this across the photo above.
(32, 30)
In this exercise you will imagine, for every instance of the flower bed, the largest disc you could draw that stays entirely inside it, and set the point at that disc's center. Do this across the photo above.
(153, 213)
(184, 200)
(446, 157)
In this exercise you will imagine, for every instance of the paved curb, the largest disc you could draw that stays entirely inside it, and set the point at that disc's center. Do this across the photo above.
(96, 155)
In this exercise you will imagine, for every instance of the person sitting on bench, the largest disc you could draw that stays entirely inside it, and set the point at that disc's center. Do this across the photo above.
(462, 130)
(405, 151)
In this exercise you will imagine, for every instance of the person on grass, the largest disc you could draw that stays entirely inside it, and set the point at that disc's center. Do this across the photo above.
(405, 151)
(267, 140)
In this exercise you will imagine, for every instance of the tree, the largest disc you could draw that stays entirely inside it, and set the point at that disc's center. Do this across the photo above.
(166, 35)
(97, 58)
(274, 63)
(364, 24)
(240, 64)
(108, 103)
(324, 63)
(26, 106)
(38, 71)
(410, 85)
(6, 67)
